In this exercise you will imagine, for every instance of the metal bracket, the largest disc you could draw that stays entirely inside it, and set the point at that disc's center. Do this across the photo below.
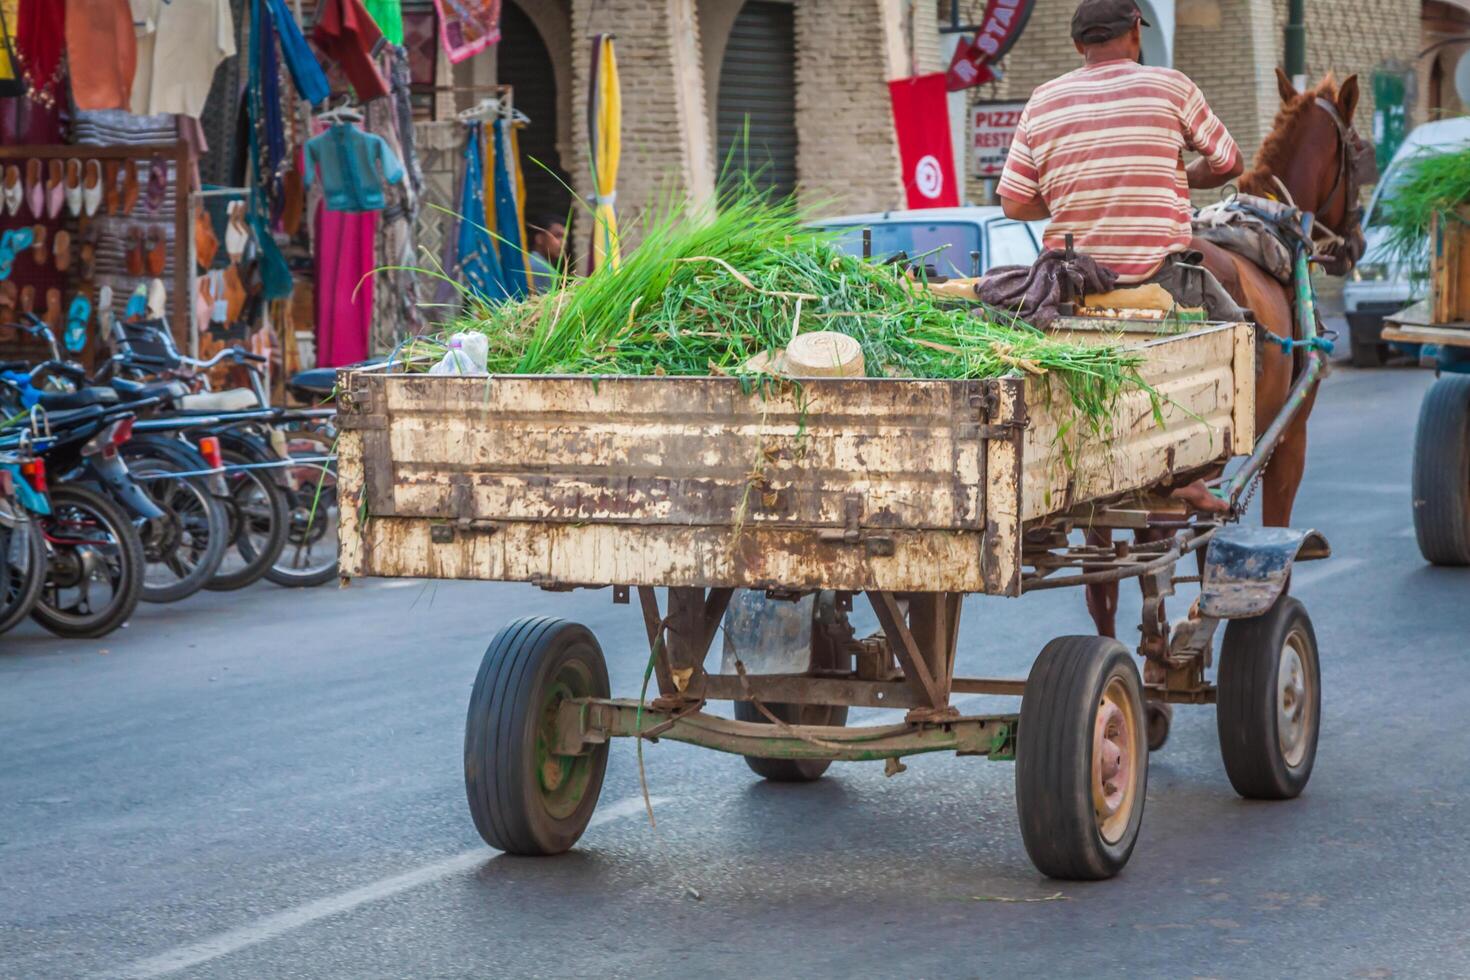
(462, 503)
(877, 545)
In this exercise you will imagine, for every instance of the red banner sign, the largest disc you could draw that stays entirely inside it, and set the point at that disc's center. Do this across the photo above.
(975, 57)
(921, 117)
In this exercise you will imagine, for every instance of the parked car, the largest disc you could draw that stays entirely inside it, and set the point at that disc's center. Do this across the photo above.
(959, 242)
(1377, 286)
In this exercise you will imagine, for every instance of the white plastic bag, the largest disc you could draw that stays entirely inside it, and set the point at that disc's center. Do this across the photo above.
(466, 355)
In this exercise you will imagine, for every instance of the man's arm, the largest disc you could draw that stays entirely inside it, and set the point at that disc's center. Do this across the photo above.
(1219, 158)
(1032, 210)
(1202, 177)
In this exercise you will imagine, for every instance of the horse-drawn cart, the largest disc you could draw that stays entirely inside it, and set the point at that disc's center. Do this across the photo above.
(773, 511)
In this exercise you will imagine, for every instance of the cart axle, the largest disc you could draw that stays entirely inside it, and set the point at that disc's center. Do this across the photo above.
(585, 722)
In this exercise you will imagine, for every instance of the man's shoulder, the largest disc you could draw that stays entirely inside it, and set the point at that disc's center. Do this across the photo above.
(1170, 78)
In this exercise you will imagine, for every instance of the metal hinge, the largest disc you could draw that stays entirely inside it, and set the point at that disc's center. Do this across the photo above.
(462, 503)
(878, 545)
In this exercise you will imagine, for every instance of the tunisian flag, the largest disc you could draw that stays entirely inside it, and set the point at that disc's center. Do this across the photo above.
(921, 117)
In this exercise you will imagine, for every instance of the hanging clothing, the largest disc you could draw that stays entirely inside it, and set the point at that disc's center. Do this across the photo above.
(478, 263)
(306, 71)
(388, 14)
(507, 214)
(180, 44)
(467, 27)
(344, 285)
(346, 33)
(11, 84)
(101, 51)
(40, 33)
(348, 161)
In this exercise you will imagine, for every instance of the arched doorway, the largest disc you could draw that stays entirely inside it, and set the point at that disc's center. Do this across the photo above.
(755, 115)
(523, 61)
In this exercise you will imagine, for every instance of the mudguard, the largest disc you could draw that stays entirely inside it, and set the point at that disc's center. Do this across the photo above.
(1246, 568)
(768, 636)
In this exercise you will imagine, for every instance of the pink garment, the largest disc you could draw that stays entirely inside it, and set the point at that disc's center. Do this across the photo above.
(344, 285)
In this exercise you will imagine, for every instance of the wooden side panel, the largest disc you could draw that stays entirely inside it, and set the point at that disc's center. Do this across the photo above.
(1195, 377)
(657, 555)
(685, 451)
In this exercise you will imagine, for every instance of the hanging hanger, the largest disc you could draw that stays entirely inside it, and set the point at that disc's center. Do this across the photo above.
(484, 109)
(343, 112)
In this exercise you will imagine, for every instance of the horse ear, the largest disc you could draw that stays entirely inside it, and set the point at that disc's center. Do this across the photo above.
(1284, 86)
(1347, 97)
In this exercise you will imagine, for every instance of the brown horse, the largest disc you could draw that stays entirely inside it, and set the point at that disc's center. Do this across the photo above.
(1313, 152)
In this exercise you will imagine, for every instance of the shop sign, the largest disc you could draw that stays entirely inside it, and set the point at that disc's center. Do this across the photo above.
(993, 127)
(975, 57)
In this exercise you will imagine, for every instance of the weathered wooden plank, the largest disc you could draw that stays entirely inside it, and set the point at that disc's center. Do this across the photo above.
(660, 555)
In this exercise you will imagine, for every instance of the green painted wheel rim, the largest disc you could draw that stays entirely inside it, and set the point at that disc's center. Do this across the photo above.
(561, 779)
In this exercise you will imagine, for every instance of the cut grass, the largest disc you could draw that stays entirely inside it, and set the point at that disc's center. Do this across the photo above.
(1435, 184)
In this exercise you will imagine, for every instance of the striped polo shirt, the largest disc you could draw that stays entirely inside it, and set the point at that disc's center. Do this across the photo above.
(1103, 147)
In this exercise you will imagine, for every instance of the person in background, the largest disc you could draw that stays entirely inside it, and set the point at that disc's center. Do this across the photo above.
(1099, 151)
(548, 235)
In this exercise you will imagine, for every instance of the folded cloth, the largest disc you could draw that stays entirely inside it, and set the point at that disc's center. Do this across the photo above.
(1036, 292)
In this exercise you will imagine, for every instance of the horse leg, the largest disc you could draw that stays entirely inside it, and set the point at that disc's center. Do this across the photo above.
(1283, 474)
(1102, 599)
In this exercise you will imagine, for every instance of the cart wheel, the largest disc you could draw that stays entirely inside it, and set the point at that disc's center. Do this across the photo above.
(792, 770)
(1158, 716)
(1442, 472)
(524, 798)
(1081, 758)
(1269, 702)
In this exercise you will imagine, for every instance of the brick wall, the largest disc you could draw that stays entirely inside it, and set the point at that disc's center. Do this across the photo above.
(847, 158)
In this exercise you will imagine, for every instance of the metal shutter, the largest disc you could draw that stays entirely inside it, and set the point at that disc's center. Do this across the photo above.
(758, 82)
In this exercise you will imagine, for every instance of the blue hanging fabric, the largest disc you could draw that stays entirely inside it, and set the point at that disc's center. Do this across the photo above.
(275, 274)
(306, 71)
(508, 214)
(478, 262)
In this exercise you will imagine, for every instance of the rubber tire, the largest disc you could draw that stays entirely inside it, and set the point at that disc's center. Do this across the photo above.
(131, 588)
(1442, 472)
(254, 570)
(1158, 717)
(790, 770)
(501, 782)
(23, 599)
(286, 580)
(146, 457)
(1245, 710)
(1054, 758)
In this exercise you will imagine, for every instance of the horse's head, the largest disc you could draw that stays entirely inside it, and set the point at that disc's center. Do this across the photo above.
(1316, 154)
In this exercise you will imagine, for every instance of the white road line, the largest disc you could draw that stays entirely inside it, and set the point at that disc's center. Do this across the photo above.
(1314, 574)
(263, 930)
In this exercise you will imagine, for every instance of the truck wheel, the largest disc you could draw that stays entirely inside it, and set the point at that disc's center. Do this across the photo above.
(1442, 472)
(526, 799)
(1269, 704)
(1081, 758)
(791, 770)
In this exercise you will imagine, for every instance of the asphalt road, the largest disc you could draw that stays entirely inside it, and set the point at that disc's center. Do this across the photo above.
(268, 784)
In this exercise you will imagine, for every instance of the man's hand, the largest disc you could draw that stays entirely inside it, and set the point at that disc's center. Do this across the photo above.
(1032, 210)
(1202, 178)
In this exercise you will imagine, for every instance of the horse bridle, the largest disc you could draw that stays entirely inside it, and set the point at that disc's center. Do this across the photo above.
(1341, 251)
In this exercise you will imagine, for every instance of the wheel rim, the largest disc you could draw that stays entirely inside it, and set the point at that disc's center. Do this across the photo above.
(1115, 740)
(86, 561)
(562, 779)
(1294, 700)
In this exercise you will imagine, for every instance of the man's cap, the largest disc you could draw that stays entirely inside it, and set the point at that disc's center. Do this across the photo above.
(1102, 20)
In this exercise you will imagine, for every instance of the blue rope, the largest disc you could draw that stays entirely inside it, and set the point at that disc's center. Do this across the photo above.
(1290, 344)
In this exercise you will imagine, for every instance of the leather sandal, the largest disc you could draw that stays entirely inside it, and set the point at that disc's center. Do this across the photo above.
(13, 195)
(73, 187)
(28, 299)
(91, 187)
(9, 300)
(38, 244)
(110, 196)
(35, 191)
(52, 316)
(130, 186)
(61, 250)
(133, 252)
(206, 245)
(157, 254)
(157, 184)
(55, 189)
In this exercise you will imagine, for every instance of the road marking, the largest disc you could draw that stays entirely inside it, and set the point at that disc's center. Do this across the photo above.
(1315, 574)
(263, 930)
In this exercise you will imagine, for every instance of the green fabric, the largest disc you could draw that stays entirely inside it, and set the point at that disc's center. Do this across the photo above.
(389, 16)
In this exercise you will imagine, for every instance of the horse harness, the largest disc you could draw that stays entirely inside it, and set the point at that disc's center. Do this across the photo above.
(1338, 253)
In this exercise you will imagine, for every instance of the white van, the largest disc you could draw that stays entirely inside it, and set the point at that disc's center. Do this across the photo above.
(1378, 287)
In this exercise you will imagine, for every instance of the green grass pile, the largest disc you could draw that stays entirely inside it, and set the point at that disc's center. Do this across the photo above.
(703, 294)
(1433, 185)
